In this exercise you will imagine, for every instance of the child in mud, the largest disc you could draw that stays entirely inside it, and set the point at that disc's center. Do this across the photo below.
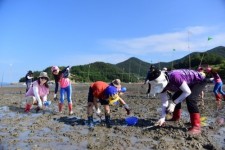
(218, 88)
(107, 94)
(37, 93)
(186, 84)
(62, 78)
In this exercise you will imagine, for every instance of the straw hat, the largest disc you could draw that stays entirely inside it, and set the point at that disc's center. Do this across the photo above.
(43, 74)
(116, 83)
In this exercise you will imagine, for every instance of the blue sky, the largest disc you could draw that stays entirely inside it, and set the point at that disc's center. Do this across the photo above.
(36, 34)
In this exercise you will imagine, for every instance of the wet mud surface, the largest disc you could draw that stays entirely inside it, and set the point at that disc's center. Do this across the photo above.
(53, 131)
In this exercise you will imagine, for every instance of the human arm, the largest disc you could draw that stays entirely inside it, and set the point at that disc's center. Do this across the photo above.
(65, 72)
(56, 89)
(186, 91)
(147, 78)
(37, 96)
(29, 77)
(125, 105)
(164, 105)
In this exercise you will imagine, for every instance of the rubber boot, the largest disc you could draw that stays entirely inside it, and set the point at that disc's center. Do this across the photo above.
(27, 108)
(176, 115)
(218, 97)
(60, 107)
(195, 123)
(70, 106)
(107, 121)
(218, 101)
(90, 122)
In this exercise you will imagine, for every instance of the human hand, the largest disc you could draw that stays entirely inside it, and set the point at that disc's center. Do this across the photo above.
(128, 111)
(171, 107)
(127, 108)
(160, 122)
(55, 97)
(40, 105)
(68, 68)
(211, 79)
(98, 111)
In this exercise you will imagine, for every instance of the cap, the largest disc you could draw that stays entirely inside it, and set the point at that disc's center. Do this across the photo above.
(30, 72)
(54, 68)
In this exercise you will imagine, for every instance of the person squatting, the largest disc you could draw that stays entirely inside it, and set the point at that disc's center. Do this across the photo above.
(37, 93)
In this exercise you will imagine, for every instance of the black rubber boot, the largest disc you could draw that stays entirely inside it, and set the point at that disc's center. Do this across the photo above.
(90, 122)
(107, 121)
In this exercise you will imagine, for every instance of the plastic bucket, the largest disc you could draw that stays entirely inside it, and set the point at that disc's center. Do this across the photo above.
(131, 121)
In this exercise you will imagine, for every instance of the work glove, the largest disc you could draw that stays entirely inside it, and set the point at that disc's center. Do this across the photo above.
(55, 97)
(127, 108)
(39, 103)
(98, 111)
(171, 107)
(160, 122)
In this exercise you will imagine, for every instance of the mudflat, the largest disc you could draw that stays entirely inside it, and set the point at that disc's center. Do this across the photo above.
(50, 130)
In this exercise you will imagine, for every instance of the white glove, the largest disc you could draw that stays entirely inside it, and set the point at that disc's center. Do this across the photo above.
(171, 107)
(211, 79)
(55, 97)
(39, 103)
(160, 122)
(98, 111)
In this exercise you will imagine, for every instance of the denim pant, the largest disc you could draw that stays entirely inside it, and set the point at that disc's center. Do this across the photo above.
(68, 91)
(218, 88)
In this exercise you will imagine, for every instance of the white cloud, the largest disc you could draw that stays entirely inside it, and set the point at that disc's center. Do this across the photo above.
(194, 37)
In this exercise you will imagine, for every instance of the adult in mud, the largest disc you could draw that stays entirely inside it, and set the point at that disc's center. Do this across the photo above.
(37, 93)
(186, 84)
(107, 94)
(29, 79)
(146, 82)
(62, 77)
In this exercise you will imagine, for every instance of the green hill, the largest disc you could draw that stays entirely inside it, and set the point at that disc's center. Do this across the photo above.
(134, 69)
(101, 71)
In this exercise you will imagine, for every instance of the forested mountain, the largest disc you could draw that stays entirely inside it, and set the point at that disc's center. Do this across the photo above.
(134, 69)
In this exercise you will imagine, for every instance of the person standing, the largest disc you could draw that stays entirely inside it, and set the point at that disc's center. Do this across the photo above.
(62, 79)
(37, 93)
(29, 79)
(186, 85)
(218, 87)
(147, 81)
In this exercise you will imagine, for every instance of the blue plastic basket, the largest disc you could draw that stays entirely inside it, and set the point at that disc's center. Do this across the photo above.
(131, 121)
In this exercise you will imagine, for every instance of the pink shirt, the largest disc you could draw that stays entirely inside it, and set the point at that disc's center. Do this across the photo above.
(64, 82)
(42, 90)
